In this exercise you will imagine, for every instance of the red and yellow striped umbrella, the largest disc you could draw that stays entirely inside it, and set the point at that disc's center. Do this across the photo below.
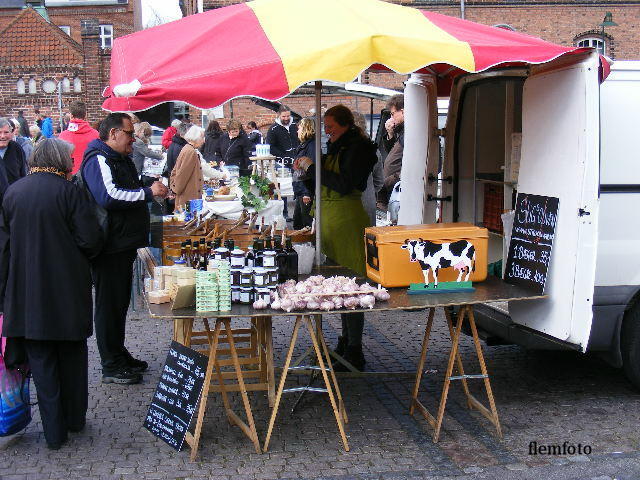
(268, 48)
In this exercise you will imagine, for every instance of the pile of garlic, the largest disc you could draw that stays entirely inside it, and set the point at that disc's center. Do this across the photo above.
(320, 293)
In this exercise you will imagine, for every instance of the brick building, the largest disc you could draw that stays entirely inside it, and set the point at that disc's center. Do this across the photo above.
(47, 42)
(564, 22)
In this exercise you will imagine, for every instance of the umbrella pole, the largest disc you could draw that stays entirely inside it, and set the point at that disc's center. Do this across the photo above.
(318, 88)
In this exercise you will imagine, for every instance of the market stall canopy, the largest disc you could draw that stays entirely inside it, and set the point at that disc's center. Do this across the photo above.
(248, 49)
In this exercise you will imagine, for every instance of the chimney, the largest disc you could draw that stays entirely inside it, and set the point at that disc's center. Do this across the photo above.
(92, 82)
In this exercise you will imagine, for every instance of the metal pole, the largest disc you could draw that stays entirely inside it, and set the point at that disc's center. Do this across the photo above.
(318, 86)
(60, 105)
(462, 9)
(371, 120)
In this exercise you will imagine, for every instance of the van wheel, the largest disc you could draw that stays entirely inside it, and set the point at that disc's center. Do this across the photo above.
(630, 344)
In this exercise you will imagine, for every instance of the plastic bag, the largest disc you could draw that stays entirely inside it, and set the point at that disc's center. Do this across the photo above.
(15, 410)
(306, 257)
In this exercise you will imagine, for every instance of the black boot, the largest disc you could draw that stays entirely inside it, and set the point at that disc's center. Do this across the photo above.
(353, 354)
(342, 345)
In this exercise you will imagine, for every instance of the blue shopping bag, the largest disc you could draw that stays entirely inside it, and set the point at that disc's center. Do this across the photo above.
(15, 409)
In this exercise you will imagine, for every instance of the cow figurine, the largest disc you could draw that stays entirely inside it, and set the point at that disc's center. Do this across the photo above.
(460, 255)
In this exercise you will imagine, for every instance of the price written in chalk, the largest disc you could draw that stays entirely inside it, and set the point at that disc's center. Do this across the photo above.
(531, 243)
(176, 396)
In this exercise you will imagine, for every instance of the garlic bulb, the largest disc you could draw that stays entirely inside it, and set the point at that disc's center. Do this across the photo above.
(259, 304)
(351, 303)
(299, 304)
(313, 305)
(275, 304)
(367, 301)
(326, 305)
(286, 304)
(381, 294)
(338, 302)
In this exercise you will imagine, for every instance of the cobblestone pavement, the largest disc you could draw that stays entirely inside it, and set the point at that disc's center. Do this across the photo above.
(547, 397)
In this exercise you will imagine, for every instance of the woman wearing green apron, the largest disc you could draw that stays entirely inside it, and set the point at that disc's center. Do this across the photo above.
(345, 169)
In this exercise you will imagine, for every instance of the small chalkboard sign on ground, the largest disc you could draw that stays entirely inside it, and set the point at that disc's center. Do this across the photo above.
(176, 396)
(534, 227)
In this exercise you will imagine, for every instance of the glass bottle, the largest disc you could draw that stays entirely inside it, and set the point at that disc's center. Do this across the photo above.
(292, 261)
(281, 261)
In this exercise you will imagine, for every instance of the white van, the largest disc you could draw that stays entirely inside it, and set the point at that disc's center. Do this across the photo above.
(553, 130)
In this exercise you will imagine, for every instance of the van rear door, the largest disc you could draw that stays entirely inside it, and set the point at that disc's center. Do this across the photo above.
(559, 158)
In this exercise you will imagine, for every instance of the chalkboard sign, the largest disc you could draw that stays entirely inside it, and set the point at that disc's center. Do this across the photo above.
(176, 396)
(534, 227)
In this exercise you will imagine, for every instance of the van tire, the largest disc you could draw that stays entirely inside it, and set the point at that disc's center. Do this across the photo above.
(630, 344)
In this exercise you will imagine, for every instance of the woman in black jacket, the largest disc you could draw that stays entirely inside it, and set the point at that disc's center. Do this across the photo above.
(302, 195)
(236, 148)
(48, 233)
(212, 142)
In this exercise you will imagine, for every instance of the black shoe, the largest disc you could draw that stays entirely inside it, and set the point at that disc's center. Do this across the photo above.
(122, 377)
(76, 428)
(57, 445)
(353, 355)
(137, 366)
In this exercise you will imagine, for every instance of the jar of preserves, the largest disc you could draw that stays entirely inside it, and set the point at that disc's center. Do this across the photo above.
(237, 258)
(246, 277)
(261, 277)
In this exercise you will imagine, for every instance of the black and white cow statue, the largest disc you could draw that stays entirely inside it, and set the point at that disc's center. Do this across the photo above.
(460, 255)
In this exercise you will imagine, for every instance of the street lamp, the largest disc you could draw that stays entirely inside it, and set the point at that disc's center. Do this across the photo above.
(607, 22)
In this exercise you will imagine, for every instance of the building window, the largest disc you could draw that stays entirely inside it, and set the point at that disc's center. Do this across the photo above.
(594, 42)
(77, 85)
(20, 86)
(32, 85)
(66, 29)
(106, 36)
(66, 85)
(48, 86)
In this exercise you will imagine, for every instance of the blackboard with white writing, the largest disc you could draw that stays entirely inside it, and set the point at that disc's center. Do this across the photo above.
(177, 394)
(534, 227)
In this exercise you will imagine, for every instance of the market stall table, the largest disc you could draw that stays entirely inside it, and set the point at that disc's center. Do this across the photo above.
(491, 290)
(232, 209)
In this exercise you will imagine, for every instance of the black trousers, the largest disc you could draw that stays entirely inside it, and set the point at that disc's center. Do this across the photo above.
(352, 327)
(112, 278)
(301, 214)
(59, 370)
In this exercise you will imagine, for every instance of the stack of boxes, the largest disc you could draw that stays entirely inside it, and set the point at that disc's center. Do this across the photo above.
(206, 291)
(223, 271)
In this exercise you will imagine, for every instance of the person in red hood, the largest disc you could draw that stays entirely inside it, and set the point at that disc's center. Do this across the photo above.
(79, 132)
(168, 134)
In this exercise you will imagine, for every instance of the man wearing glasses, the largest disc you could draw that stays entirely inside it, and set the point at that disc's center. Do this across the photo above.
(111, 177)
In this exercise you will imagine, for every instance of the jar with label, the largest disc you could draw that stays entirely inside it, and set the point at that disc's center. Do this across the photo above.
(261, 276)
(246, 277)
(246, 295)
(235, 294)
(273, 276)
(269, 259)
(237, 258)
(235, 276)
(221, 253)
(263, 294)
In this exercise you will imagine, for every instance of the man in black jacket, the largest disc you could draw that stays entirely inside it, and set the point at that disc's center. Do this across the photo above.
(13, 164)
(111, 177)
(282, 138)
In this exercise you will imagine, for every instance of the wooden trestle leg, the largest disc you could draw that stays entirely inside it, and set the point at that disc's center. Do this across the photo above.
(466, 311)
(193, 440)
(324, 365)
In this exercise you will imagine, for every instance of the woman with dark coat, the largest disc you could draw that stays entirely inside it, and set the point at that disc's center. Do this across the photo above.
(236, 148)
(301, 194)
(349, 161)
(212, 142)
(48, 233)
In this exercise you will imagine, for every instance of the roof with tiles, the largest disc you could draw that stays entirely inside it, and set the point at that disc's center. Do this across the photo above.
(29, 41)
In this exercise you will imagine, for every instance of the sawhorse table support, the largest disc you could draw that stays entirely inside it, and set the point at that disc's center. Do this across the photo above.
(491, 413)
(249, 427)
(324, 365)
